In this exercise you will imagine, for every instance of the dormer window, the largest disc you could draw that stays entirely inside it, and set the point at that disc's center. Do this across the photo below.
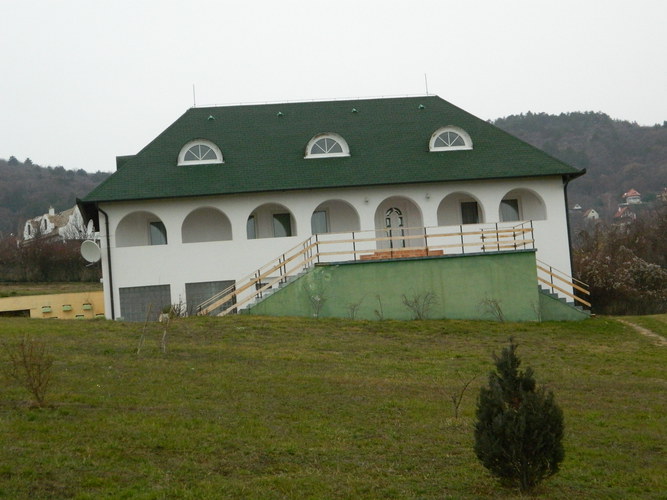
(450, 139)
(200, 152)
(327, 145)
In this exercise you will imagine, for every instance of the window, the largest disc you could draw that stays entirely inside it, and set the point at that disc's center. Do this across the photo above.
(450, 139)
(282, 225)
(327, 146)
(199, 152)
(469, 212)
(319, 223)
(157, 233)
(251, 228)
(509, 210)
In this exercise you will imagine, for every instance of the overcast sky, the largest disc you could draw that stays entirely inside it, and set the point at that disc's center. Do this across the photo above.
(84, 81)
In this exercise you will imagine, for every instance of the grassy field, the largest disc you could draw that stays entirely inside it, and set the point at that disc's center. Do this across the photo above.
(30, 288)
(250, 407)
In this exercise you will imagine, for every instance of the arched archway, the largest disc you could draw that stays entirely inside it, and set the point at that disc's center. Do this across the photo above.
(399, 219)
(206, 224)
(460, 208)
(522, 204)
(334, 216)
(271, 220)
(140, 229)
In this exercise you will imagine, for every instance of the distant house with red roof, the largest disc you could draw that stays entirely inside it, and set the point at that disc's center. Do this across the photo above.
(632, 197)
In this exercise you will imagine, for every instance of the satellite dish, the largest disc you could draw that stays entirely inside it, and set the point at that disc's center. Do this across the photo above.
(90, 251)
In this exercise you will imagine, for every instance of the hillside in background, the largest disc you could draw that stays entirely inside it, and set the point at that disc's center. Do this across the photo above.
(617, 155)
(28, 190)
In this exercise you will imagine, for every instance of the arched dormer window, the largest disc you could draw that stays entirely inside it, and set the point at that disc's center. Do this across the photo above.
(199, 152)
(449, 139)
(327, 145)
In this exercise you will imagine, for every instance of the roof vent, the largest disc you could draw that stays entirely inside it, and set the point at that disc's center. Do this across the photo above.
(421, 106)
(211, 118)
(279, 114)
(354, 110)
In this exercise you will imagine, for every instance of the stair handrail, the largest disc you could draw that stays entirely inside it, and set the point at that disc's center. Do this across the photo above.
(566, 279)
(262, 278)
(254, 277)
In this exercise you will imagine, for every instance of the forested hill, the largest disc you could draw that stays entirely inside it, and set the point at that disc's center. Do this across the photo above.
(618, 155)
(28, 190)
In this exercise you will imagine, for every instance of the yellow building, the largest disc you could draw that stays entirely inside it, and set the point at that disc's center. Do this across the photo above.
(79, 305)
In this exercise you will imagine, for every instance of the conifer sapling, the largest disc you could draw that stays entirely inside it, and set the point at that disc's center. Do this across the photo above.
(519, 428)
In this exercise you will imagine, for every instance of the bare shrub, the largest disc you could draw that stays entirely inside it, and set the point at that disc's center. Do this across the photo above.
(353, 308)
(493, 307)
(420, 304)
(458, 396)
(30, 366)
(379, 312)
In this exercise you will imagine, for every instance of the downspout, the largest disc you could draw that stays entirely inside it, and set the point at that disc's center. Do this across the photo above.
(106, 230)
(566, 181)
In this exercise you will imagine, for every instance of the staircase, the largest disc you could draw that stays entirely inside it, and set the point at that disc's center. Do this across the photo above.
(374, 245)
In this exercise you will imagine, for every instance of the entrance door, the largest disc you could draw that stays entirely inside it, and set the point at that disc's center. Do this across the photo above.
(393, 222)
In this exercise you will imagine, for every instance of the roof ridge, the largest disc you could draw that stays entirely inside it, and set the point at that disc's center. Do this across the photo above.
(315, 100)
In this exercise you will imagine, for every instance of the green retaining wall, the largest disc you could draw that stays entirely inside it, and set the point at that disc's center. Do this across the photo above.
(553, 309)
(476, 286)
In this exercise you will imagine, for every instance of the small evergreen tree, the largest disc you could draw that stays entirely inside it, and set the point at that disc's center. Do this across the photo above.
(519, 429)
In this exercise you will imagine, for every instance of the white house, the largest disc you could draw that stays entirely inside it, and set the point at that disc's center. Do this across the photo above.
(66, 225)
(224, 190)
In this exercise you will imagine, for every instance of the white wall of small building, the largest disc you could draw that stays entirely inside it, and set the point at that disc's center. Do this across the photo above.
(178, 263)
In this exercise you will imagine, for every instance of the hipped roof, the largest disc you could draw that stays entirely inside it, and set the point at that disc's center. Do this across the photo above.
(264, 147)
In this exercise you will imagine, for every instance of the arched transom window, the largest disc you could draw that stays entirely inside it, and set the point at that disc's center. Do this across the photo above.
(199, 152)
(326, 146)
(450, 138)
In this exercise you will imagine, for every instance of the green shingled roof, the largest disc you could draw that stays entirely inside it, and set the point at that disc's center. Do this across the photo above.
(264, 145)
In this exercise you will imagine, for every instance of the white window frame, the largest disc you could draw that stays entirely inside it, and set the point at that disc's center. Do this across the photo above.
(450, 128)
(200, 142)
(327, 135)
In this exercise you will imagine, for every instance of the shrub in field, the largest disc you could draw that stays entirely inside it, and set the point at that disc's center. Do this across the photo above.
(29, 364)
(519, 429)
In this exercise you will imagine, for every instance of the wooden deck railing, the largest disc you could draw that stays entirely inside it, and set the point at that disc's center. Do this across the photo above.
(372, 245)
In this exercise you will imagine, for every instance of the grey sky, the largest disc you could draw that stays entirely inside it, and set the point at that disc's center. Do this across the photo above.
(84, 81)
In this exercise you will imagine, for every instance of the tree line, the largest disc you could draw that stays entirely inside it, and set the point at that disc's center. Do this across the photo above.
(45, 260)
(27, 190)
(617, 155)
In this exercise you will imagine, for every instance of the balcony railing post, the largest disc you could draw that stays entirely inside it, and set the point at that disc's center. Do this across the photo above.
(317, 248)
(426, 240)
(354, 247)
(463, 246)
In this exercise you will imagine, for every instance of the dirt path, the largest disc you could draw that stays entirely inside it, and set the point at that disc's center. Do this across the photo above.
(659, 339)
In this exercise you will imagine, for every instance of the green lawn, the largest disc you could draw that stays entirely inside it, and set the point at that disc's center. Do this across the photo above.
(30, 288)
(251, 407)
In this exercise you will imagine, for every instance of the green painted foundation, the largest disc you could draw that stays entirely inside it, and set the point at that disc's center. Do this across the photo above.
(480, 286)
(553, 309)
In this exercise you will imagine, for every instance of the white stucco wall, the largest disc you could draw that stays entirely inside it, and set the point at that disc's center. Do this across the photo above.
(178, 263)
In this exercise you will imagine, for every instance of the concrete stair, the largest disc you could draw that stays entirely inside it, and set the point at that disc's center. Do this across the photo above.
(566, 303)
